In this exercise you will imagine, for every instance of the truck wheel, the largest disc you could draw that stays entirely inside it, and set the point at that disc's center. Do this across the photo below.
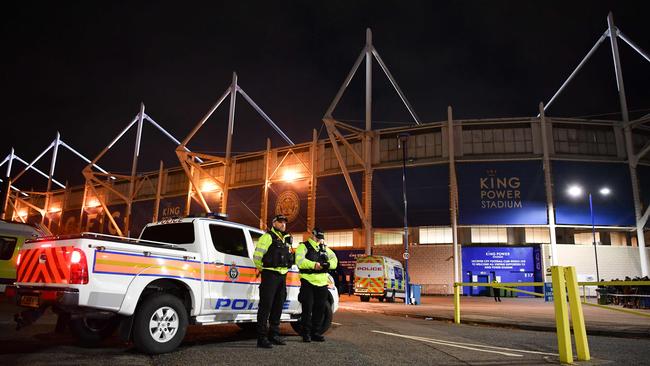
(297, 327)
(160, 324)
(364, 298)
(391, 298)
(248, 326)
(89, 332)
(326, 322)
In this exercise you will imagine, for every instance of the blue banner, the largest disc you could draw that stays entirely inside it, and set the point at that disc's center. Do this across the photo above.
(141, 215)
(505, 264)
(501, 193)
(171, 207)
(427, 193)
(348, 260)
(118, 212)
(213, 199)
(69, 222)
(244, 205)
(334, 205)
(290, 199)
(643, 173)
(615, 209)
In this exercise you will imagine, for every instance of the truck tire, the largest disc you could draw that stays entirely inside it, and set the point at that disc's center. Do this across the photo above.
(248, 326)
(326, 322)
(364, 298)
(89, 332)
(391, 298)
(160, 324)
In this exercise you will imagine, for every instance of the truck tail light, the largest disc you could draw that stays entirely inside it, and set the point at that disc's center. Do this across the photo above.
(78, 268)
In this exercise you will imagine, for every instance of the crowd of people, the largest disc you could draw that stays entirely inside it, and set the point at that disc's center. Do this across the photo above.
(633, 296)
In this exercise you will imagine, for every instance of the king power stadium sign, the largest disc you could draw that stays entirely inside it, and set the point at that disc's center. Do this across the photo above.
(501, 193)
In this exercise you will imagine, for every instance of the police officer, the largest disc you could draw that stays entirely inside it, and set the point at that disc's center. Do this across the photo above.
(314, 259)
(273, 258)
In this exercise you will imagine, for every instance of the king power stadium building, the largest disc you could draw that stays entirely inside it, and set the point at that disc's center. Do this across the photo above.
(510, 197)
(503, 205)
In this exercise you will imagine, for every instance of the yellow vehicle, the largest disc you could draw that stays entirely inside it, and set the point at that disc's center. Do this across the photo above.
(12, 237)
(379, 277)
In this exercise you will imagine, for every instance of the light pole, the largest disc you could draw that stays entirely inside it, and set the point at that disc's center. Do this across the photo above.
(402, 140)
(576, 191)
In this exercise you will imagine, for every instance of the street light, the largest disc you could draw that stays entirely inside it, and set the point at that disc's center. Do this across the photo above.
(576, 191)
(402, 140)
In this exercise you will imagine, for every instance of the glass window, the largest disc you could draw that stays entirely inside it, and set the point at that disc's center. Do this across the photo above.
(389, 237)
(229, 240)
(436, 235)
(179, 233)
(489, 235)
(7, 246)
(339, 239)
(538, 235)
(586, 238)
(255, 236)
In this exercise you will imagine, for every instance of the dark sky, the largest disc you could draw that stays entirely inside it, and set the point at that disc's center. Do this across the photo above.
(83, 68)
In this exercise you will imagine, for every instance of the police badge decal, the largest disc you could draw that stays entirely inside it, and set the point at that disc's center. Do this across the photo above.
(233, 272)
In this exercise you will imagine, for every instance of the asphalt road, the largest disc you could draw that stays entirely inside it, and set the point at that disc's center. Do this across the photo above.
(356, 339)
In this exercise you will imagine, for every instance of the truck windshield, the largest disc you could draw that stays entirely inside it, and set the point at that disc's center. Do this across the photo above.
(179, 233)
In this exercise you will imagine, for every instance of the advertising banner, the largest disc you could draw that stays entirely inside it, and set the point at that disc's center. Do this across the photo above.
(334, 205)
(290, 199)
(118, 212)
(615, 208)
(506, 264)
(501, 193)
(171, 207)
(141, 215)
(427, 192)
(245, 205)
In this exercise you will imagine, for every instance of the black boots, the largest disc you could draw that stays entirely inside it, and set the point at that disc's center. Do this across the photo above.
(277, 340)
(306, 338)
(318, 338)
(264, 343)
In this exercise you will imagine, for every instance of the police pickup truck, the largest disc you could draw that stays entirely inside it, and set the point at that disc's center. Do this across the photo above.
(178, 272)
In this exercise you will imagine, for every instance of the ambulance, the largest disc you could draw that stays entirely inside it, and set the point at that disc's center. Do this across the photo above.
(179, 272)
(379, 277)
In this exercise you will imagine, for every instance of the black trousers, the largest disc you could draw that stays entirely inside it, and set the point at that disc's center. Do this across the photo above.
(313, 300)
(273, 293)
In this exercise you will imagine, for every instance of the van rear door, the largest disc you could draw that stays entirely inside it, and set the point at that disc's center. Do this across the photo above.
(369, 276)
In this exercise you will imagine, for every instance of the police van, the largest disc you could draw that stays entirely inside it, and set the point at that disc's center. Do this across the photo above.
(379, 277)
(178, 272)
(12, 236)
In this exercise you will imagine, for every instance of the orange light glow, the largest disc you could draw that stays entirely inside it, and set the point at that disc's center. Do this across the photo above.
(54, 209)
(22, 213)
(290, 175)
(209, 186)
(93, 202)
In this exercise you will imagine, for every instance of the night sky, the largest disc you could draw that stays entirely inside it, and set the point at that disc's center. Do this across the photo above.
(83, 68)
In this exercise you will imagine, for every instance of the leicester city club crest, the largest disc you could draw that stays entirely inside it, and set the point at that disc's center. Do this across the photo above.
(288, 204)
(233, 272)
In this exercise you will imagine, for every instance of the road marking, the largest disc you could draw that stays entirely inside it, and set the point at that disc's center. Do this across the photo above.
(493, 347)
(467, 346)
(335, 323)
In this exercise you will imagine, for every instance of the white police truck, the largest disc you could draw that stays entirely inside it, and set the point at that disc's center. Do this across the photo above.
(179, 272)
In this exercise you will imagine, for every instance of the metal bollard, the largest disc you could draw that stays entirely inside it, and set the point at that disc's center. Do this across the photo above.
(456, 303)
(561, 315)
(577, 317)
